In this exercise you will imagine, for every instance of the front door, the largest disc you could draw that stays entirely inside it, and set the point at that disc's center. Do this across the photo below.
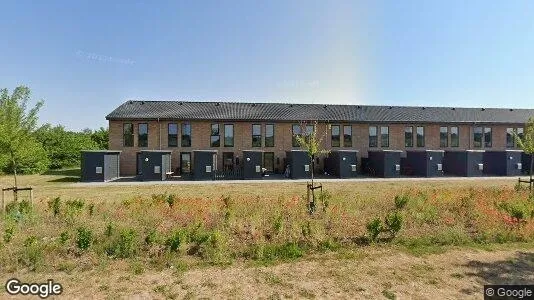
(185, 163)
(228, 161)
(268, 161)
(139, 166)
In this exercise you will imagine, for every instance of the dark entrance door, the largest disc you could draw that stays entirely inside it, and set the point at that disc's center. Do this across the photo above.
(139, 165)
(185, 163)
(268, 161)
(228, 161)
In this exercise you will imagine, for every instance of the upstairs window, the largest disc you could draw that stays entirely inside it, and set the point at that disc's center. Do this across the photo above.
(335, 136)
(408, 136)
(477, 137)
(347, 136)
(172, 139)
(228, 135)
(127, 135)
(487, 137)
(269, 135)
(373, 138)
(520, 134)
(143, 135)
(443, 137)
(384, 136)
(510, 138)
(186, 135)
(420, 136)
(455, 137)
(215, 138)
(296, 131)
(256, 135)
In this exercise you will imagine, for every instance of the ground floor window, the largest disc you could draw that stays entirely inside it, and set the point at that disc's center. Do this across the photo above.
(228, 161)
(185, 163)
(268, 161)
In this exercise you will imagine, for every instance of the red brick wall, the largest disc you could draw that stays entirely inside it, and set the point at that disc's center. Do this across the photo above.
(200, 132)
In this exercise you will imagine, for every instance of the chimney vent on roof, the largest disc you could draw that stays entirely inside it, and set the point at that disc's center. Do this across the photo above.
(180, 103)
(142, 102)
(290, 105)
(454, 108)
(483, 109)
(217, 104)
(253, 104)
(390, 107)
(511, 109)
(423, 107)
(324, 106)
(131, 102)
(358, 106)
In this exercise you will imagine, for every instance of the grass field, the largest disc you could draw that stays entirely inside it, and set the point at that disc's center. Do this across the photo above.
(367, 239)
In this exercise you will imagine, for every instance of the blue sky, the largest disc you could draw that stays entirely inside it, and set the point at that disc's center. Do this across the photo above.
(84, 58)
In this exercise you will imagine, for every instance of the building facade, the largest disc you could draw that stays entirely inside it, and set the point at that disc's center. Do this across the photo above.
(230, 128)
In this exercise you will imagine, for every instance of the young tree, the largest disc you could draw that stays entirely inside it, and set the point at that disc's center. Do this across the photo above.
(17, 124)
(526, 143)
(312, 143)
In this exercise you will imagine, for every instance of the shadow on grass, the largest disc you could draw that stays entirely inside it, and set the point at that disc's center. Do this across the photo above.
(64, 172)
(516, 270)
(65, 179)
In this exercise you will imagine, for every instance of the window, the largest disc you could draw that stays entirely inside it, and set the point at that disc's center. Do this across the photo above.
(443, 137)
(185, 163)
(186, 135)
(384, 136)
(296, 132)
(509, 138)
(455, 137)
(477, 137)
(228, 161)
(256, 135)
(228, 135)
(215, 138)
(420, 136)
(408, 136)
(128, 135)
(519, 134)
(347, 136)
(335, 136)
(373, 139)
(487, 137)
(143, 135)
(172, 139)
(269, 135)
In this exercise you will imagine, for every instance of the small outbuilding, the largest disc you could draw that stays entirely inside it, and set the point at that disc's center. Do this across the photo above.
(468, 163)
(384, 163)
(503, 163)
(342, 163)
(425, 163)
(252, 164)
(526, 160)
(154, 165)
(100, 165)
(204, 164)
(298, 164)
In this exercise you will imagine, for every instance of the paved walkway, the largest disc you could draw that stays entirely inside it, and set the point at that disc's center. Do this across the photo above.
(129, 181)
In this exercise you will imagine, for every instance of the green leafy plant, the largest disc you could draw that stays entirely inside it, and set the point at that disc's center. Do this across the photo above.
(55, 205)
(394, 223)
(84, 238)
(374, 228)
(9, 232)
(401, 201)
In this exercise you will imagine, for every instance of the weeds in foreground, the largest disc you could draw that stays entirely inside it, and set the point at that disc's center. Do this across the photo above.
(161, 230)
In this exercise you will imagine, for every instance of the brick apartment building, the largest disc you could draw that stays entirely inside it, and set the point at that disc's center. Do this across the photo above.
(230, 128)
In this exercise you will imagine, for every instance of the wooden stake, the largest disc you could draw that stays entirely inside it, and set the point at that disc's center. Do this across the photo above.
(31, 196)
(3, 203)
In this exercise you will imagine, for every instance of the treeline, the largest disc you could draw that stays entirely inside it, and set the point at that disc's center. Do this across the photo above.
(54, 147)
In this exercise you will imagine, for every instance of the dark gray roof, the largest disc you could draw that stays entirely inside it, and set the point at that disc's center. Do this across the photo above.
(184, 110)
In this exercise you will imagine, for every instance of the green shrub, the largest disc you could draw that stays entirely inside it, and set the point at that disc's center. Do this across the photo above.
(91, 209)
(175, 240)
(75, 206)
(393, 223)
(8, 234)
(55, 205)
(151, 237)
(109, 230)
(64, 237)
(127, 244)
(401, 201)
(270, 252)
(325, 198)
(374, 228)
(278, 225)
(32, 253)
(171, 199)
(84, 238)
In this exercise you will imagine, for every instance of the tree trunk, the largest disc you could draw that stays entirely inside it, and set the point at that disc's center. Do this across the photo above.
(14, 174)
